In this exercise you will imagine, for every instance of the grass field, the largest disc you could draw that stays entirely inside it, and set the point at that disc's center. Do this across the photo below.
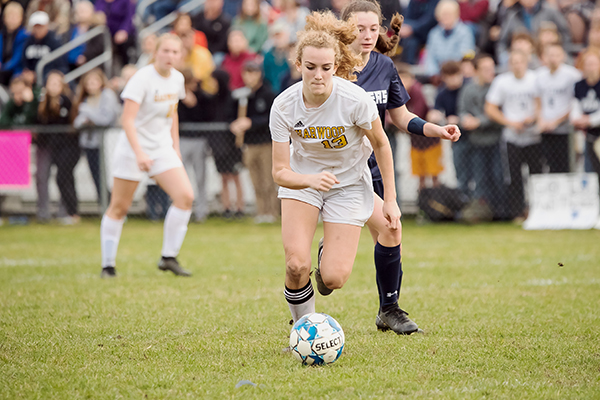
(502, 318)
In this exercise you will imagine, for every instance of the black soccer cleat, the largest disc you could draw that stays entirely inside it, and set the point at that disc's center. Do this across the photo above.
(171, 264)
(324, 290)
(397, 320)
(108, 272)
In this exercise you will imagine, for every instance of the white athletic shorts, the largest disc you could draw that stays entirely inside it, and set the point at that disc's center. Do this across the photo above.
(352, 205)
(125, 164)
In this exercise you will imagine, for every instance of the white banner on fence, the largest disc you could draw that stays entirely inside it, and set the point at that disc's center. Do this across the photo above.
(563, 201)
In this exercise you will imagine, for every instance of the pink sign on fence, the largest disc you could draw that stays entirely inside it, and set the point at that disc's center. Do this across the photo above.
(14, 160)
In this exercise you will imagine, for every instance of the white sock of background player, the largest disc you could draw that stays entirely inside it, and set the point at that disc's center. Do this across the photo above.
(176, 226)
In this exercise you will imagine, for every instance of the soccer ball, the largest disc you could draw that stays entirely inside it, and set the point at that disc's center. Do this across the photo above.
(317, 339)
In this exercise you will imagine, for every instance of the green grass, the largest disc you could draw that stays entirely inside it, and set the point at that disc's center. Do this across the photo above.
(502, 318)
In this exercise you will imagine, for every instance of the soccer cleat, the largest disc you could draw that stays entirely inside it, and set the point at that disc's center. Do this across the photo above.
(397, 320)
(324, 290)
(108, 272)
(171, 264)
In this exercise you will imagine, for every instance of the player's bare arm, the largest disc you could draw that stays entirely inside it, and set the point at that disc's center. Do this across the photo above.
(401, 117)
(284, 176)
(175, 134)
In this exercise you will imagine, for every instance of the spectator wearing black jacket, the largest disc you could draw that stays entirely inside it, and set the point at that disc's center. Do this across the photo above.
(227, 156)
(55, 109)
(215, 25)
(41, 42)
(257, 154)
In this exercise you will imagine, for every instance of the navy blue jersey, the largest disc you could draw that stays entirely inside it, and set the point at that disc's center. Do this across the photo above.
(380, 79)
(589, 98)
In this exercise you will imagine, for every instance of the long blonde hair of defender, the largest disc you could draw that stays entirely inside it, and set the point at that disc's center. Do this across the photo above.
(163, 38)
(323, 30)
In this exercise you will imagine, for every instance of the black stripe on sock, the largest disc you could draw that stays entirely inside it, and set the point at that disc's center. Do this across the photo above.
(299, 296)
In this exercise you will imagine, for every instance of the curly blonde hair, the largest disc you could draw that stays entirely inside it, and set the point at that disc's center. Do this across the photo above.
(324, 31)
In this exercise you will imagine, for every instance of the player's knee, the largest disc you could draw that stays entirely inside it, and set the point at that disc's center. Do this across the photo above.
(184, 200)
(334, 281)
(297, 267)
(118, 209)
(390, 237)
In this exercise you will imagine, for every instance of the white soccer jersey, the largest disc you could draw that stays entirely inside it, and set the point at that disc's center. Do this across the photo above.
(158, 98)
(329, 137)
(516, 98)
(556, 93)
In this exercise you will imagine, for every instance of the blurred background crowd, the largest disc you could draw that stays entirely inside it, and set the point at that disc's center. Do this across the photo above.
(520, 77)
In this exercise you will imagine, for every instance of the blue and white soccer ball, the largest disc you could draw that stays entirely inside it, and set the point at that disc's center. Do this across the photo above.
(317, 339)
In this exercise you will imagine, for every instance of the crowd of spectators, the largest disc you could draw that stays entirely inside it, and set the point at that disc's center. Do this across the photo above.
(504, 71)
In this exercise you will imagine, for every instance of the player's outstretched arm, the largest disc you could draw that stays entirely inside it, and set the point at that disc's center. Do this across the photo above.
(409, 122)
(284, 176)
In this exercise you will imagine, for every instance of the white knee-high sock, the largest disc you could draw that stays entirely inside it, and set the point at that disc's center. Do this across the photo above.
(300, 301)
(176, 223)
(110, 234)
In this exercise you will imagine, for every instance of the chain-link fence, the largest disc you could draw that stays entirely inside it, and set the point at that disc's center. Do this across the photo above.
(472, 181)
(64, 177)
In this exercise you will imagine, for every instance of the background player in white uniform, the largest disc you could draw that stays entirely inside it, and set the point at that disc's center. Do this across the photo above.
(513, 101)
(333, 126)
(150, 145)
(556, 82)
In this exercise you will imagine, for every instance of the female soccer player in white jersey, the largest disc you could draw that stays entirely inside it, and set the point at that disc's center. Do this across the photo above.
(334, 126)
(149, 146)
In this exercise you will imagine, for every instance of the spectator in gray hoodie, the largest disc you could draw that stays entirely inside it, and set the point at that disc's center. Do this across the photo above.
(95, 107)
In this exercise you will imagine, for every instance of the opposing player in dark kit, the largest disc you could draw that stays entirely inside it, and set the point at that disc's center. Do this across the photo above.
(378, 76)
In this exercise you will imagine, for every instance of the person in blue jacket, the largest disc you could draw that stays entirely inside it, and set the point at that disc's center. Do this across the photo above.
(419, 19)
(12, 40)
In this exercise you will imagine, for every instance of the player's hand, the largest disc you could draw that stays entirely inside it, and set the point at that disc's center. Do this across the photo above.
(323, 181)
(143, 161)
(392, 214)
(448, 132)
